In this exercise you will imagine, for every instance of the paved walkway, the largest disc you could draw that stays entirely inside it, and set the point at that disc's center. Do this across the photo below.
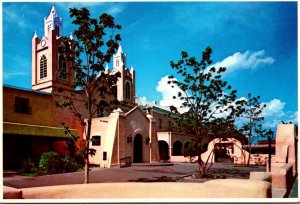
(135, 173)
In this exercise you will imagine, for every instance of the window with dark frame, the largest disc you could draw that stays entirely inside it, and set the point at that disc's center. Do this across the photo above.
(43, 67)
(96, 140)
(22, 105)
(57, 30)
(159, 123)
(62, 67)
(115, 91)
(127, 90)
(104, 156)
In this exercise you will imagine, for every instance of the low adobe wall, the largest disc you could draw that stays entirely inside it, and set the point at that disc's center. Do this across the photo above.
(282, 175)
(219, 188)
(11, 193)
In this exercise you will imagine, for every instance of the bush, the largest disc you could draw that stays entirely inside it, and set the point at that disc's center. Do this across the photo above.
(69, 164)
(79, 158)
(50, 163)
(27, 166)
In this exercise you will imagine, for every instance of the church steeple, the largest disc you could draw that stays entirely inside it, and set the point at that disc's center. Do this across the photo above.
(46, 59)
(119, 59)
(53, 22)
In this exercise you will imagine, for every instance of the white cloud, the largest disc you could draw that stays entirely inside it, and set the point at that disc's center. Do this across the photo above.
(273, 115)
(11, 16)
(274, 108)
(168, 92)
(7, 75)
(246, 60)
(115, 9)
(78, 5)
(112, 9)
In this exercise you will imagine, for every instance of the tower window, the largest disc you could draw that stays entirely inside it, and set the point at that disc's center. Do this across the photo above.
(57, 30)
(159, 123)
(43, 67)
(115, 91)
(62, 67)
(127, 90)
(117, 62)
(22, 105)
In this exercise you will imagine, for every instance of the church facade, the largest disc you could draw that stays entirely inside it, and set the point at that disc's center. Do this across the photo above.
(140, 131)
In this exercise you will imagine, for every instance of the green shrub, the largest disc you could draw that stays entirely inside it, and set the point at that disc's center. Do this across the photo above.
(52, 163)
(69, 164)
(79, 158)
(49, 163)
(27, 166)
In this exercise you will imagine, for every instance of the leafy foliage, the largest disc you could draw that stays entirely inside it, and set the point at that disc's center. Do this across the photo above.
(28, 166)
(93, 46)
(52, 163)
(49, 163)
(69, 164)
(252, 113)
(190, 151)
(207, 100)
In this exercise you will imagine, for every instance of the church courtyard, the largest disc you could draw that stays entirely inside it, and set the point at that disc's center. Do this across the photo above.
(154, 172)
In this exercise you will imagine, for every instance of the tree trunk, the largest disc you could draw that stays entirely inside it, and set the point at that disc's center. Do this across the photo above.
(86, 171)
(201, 168)
(201, 165)
(249, 155)
(86, 165)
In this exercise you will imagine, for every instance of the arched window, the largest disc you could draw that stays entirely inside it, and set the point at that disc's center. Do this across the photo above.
(115, 91)
(62, 67)
(127, 90)
(117, 63)
(43, 67)
(177, 148)
(57, 30)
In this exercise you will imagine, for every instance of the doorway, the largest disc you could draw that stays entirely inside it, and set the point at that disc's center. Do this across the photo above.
(138, 149)
(163, 150)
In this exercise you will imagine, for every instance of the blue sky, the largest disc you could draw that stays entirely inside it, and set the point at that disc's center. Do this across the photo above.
(256, 41)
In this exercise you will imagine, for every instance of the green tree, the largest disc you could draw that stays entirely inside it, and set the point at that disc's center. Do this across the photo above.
(252, 115)
(207, 100)
(93, 45)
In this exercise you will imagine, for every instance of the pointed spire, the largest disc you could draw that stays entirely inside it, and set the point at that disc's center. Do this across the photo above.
(53, 11)
(35, 35)
(119, 49)
(71, 36)
(131, 69)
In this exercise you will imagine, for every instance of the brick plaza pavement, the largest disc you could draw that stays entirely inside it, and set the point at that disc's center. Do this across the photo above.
(137, 173)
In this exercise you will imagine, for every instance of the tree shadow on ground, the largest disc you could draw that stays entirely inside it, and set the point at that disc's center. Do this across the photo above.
(156, 179)
(229, 173)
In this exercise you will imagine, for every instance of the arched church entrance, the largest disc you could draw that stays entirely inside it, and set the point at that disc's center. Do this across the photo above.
(163, 150)
(138, 149)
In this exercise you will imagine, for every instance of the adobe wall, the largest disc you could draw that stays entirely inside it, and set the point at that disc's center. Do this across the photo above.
(41, 107)
(219, 188)
(286, 145)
